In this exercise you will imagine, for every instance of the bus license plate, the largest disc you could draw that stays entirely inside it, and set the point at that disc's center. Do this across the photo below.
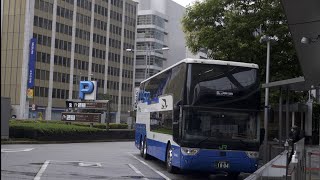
(222, 165)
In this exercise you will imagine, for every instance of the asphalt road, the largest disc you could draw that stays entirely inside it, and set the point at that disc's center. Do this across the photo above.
(103, 160)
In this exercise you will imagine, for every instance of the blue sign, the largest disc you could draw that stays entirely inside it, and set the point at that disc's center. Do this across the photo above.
(86, 87)
(32, 62)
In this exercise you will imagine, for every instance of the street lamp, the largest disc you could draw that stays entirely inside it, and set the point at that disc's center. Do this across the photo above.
(147, 57)
(267, 39)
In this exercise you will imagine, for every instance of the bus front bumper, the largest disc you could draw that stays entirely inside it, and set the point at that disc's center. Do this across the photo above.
(215, 161)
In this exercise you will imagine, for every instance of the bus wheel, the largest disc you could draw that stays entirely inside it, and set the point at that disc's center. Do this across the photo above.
(170, 168)
(141, 146)
(144, 148)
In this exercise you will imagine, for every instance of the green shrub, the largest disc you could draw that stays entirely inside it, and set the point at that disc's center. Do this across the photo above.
(100, 126)
(60, 130)
(36, 121)
(52, 128)
(23, 121)
(118, 126)
(61, 126)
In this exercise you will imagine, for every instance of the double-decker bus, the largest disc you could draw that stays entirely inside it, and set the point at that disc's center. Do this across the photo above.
(201, 115)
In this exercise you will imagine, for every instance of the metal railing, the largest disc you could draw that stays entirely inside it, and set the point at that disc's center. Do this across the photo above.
(290, 164)
(310, 169)
(298, 161)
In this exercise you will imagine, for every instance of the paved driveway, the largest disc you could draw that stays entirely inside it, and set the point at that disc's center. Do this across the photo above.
(103, 160)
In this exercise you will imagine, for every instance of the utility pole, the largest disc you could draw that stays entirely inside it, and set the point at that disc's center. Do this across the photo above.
(268, 40)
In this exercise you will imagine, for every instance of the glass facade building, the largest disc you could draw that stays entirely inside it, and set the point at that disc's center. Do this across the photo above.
(159, 26)
(151, 38)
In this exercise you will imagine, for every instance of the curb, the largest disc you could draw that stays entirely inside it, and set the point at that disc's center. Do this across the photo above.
(62, 142)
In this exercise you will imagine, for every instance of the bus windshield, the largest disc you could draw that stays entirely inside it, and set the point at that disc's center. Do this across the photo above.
(222, 86)
(220, 107)
(212, 128)
(220, 124)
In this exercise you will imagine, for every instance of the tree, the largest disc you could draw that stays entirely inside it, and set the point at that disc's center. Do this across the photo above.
(231, 30)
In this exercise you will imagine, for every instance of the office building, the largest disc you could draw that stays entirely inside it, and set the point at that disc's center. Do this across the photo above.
(74, 40)
(160, 38)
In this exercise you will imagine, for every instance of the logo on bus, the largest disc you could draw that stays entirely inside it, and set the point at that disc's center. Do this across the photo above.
(223, 147)
(224, 93)
(164, 106)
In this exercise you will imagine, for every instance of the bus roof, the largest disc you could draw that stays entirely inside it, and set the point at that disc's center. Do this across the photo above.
(206, 61)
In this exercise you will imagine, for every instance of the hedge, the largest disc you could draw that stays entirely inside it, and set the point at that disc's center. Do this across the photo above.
(58, 130)
(82, 124)
(38, 130)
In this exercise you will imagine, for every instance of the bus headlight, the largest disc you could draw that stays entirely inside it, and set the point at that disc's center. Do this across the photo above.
(252, 154)
(189, 151)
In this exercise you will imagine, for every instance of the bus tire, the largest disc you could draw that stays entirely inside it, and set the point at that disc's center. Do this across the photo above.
(170, 168)
(145, 155)
(141, 146)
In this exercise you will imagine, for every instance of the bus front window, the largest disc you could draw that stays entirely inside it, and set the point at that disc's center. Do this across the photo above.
(223, 87)
(217, 125)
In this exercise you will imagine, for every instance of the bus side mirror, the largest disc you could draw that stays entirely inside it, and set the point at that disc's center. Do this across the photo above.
(262, 133)
(176, 123)
(175, 131)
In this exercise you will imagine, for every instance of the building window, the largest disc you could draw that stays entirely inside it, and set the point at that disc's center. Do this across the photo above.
(54, 91)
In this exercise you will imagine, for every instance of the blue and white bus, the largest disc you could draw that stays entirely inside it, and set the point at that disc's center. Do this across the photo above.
(201, 115)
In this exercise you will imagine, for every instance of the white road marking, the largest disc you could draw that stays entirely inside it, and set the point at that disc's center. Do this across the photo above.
(17, 150)
(80, 163)
(88, 164)
(137, 171)
(41, 171)
(158, 172)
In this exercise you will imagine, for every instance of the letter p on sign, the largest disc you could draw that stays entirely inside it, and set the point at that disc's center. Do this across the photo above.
(87, 90)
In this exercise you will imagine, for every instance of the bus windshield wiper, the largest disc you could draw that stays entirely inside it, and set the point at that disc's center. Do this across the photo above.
(203, 140)
(243, 142)
(240, 138)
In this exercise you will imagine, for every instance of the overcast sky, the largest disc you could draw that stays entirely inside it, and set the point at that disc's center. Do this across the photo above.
(184, 2)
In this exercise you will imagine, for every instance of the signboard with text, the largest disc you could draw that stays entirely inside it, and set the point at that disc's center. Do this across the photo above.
(29, 93)
(81, 117)
(32, 62)
(101, 105)
(31, 67)
(88, 90)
